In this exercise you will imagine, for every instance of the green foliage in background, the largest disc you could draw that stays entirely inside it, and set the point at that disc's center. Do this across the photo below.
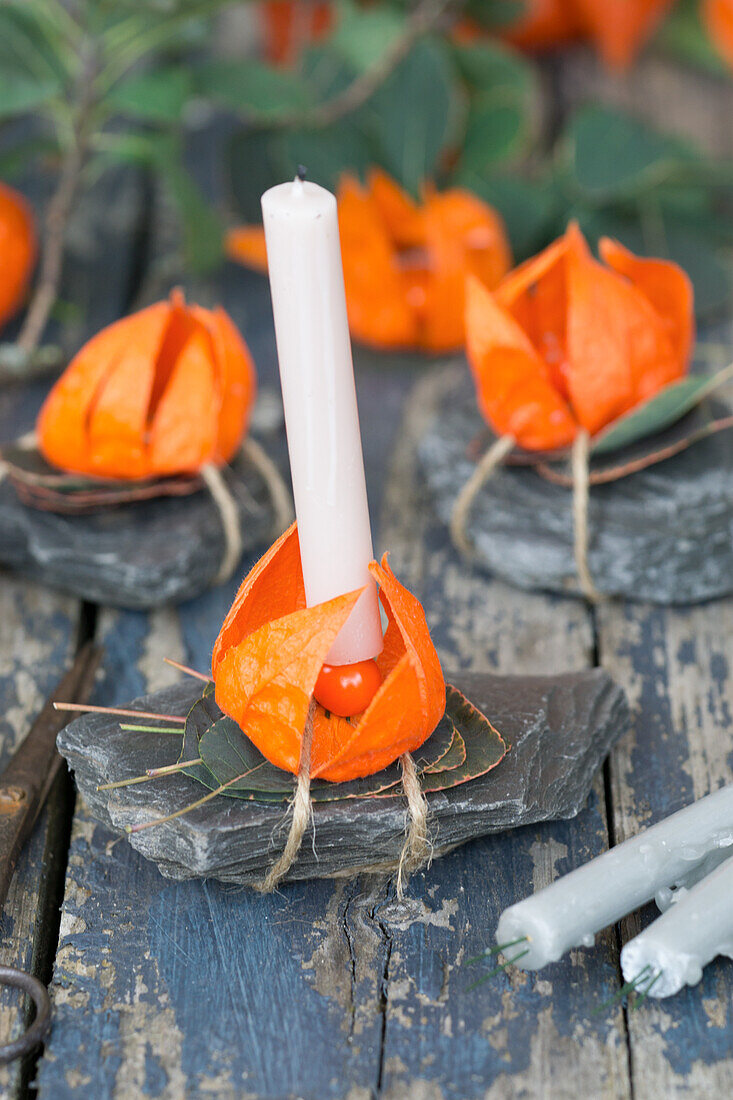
(123, 81)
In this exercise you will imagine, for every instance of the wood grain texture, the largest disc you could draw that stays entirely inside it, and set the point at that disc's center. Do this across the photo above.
(38, 628)
(674, 664)
(517, 1035)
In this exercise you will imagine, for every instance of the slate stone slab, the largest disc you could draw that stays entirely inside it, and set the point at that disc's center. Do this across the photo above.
(137, 555)
(663, 535)
(559, 729)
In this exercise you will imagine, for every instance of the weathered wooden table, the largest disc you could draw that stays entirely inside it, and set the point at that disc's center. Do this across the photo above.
(336, 989)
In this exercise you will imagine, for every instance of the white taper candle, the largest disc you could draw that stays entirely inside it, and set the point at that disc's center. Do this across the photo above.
(321, 415)
(674, 950)
(569, 912)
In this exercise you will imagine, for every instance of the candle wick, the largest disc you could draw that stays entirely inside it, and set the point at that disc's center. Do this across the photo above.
(302, 172)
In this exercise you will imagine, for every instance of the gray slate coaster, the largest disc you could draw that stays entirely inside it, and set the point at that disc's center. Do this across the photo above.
(664, 534)
(559, 729)
(133, 555)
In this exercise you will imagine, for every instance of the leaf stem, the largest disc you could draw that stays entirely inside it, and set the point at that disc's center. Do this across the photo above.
(421, 21)
(59, 211)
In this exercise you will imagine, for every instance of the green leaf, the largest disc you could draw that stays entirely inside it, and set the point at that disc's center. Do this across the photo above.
(684, 37)
(463, 746)
(707, 266)
(364, 35)
(325, 153)
(20, 92)
(414, 115)
(498, 130)
(202, 228)
(485, 747)
(252, 88)
(665, 408)
(160, 95)
(496, 14)
(254, 162)
(613, 155)
(488, 66)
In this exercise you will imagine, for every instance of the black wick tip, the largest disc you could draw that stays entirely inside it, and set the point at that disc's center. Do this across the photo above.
(302, 172)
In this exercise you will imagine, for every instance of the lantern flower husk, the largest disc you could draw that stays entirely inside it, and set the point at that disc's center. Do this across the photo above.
(718, 18)
(617, 28)
(567, 342)
(288, 26)
(162, 392)
(405, 262)
(271, 649)
(18, 247)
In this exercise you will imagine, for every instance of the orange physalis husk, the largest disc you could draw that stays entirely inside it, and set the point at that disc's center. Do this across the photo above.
(270, 651)
(289, 26)
(566, 342)
(405, 263)
(718, 17)
(163, 391)
(18, 248)
(618, 28)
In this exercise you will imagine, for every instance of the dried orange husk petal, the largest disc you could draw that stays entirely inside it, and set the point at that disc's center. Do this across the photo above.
(270, 651)
(236, 380)
(246, 244)
(375, 286)
(619, 28)
(18, 248)
(66, 415)
(667, 287)
(514, 391)
(272, 588)
(462, 235)
(619, 348)
(163, 391)
(266, 682)
(536, 295)
(718, 17)
(544, 23)
(402, 217)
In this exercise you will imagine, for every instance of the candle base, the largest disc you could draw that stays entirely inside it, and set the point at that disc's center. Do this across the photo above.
(346, 690)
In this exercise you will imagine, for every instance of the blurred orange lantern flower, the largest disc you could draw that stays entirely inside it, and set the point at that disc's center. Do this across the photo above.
(290, 25)
(566, 342)
(718, 16)
(18, 248)
(270, 652)
(163, 391)
(405, 263)
(618, 28)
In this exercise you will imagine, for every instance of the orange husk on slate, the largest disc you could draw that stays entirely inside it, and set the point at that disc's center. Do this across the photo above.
(18, 248)
(161, 392)
(568, 342)
(270, 651)
(405, 262)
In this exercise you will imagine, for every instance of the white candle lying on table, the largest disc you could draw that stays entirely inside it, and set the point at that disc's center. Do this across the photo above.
(570, 911)
(321, 415)
(674, 950)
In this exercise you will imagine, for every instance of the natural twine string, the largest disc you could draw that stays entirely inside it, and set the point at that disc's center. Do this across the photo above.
(417, 849)
(279, 492)
(580, 463)
(493, 458)
(302, 812)
(229, 516)
(228, 512)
